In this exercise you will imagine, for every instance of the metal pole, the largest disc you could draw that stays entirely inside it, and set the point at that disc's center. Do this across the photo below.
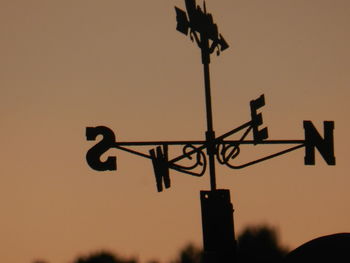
(217, 211)
(210, 134)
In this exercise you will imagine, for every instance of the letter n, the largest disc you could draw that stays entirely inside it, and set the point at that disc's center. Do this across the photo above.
(324, 145)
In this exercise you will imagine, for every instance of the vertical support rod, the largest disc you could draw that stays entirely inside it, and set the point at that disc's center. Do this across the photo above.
(210, 134)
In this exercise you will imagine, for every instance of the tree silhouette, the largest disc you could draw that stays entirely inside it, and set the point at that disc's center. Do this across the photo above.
(189, 254)
(259, 244)
(254, 244)
(103, 257)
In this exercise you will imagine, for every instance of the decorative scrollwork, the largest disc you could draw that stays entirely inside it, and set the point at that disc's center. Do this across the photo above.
(227, 152)
(200, 160)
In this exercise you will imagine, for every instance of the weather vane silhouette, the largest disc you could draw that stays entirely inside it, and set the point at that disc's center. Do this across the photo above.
(217, 211)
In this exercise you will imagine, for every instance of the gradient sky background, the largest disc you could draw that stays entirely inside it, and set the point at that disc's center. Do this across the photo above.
(66, 65)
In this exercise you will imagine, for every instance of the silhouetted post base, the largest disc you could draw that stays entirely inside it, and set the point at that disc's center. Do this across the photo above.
(218, 231)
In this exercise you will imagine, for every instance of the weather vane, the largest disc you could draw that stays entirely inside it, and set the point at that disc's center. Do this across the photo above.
(199, 25)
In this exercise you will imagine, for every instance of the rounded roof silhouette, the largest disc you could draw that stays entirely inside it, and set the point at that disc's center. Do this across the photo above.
(331, 248)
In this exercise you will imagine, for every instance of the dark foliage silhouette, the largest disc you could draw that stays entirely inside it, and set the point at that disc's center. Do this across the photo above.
(103, 257)
(259, 244)
(255, 244)
(189, 254)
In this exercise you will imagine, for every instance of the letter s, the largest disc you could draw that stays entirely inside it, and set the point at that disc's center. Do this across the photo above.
(94, 154)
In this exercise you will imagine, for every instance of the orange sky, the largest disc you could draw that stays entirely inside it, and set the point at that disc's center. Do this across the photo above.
(66, 65)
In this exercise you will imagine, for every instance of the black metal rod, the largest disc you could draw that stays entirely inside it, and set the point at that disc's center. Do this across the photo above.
(267, 157)
(195, 142)
(134, 152)
(217, 140)
(227, 134)
(208, 95)
(210, 134)
(265, 142)
(152, 143)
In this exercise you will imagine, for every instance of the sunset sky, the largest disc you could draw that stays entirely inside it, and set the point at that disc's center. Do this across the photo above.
(68, 65)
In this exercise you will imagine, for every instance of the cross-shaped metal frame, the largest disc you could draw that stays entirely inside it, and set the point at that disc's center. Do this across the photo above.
(201, 28)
